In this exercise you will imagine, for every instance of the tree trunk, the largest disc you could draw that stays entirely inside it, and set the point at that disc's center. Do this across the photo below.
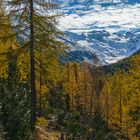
(85, 90)
(32, 70)
(121, 113)
(40, 85)
(68, 72)
(107, 109)
(91, 99)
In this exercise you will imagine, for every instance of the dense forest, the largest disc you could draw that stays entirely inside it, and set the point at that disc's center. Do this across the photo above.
(44, 97)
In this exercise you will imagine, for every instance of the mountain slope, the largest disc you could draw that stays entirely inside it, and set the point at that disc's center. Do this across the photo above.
(105, 29)
(125, 65)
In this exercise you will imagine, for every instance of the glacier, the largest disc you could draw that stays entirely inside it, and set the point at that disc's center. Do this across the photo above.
(108, 28)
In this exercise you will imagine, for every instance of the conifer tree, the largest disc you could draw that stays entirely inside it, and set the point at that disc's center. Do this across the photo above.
(15, 102)
(2, 131)
(32, 23)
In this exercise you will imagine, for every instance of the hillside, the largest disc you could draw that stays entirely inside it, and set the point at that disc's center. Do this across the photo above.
(123, 65)
(125, 89)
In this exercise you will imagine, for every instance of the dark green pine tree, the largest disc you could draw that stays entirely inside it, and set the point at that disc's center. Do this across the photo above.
(2, 131)
(15, 102)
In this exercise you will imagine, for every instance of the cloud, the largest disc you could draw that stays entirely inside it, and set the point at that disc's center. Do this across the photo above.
(113, 18)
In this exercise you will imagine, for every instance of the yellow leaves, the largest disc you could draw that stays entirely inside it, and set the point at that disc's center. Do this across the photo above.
(41, 121)
(41, 88)
(3, 57)
(126, 84)
(5, 45)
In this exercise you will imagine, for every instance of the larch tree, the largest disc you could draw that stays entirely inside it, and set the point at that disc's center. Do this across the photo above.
(33, 24)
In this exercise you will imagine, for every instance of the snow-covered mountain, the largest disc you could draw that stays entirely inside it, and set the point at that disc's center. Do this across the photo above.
(108, 28)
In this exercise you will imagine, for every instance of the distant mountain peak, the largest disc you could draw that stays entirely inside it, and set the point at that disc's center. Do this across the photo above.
(112, 31)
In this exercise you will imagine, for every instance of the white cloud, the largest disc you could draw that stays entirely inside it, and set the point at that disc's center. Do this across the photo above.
(112, 18)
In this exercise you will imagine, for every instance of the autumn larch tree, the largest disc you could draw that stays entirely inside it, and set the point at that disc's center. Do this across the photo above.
(33, 25)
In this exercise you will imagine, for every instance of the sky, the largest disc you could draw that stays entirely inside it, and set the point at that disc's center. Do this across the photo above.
(112, 18)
